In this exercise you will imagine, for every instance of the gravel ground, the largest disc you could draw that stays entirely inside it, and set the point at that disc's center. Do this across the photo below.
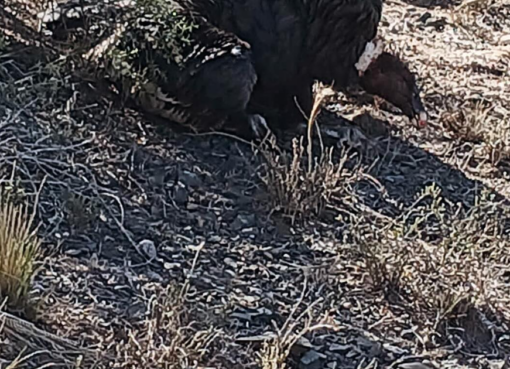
(165, 249)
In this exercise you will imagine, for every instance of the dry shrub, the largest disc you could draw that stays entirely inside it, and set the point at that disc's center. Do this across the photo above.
(299, 192)
(481, 125)
(498, 142)
(483, 18)
(19, 249)
(441, 266)
(301, 184)
(19, 361)
(174, 335)
(280, 344)
(467, 124)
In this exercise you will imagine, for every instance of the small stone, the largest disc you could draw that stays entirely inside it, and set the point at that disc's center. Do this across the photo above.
(312, 360)
(180, 195)
(414, 366)
(148, 248)
(190, 179)
(340, 348)
(302, 341)
(169, 266)
(250, 299)
(243, 221)
(231, 263)
(347, 305)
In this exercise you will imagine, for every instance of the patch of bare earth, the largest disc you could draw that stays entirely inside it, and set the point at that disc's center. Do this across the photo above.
(164, 249)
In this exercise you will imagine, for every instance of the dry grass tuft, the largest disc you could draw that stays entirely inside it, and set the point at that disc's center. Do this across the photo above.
(479, 124)
(276, 350)
(19, 247)
(467, 124)
(301, 183)
(172, 336)
(299, 192)
(441, 266)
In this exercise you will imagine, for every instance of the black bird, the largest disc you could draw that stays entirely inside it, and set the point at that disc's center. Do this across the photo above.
(295, 42)
(232, 64)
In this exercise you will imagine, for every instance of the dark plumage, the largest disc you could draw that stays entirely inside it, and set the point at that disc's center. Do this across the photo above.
(243, 58)
(296, 42)
(185, 68)
(389, 78)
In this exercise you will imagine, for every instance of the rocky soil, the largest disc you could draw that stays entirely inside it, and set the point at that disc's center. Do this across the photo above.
(167, 249)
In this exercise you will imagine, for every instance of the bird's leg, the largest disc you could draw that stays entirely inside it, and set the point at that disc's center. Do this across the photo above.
(248, 126)
(258, 125)
(378, 103)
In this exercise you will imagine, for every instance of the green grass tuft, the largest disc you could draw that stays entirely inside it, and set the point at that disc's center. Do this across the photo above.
(19, 248)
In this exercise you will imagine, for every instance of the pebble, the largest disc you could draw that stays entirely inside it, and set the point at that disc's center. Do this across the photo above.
(312, 360)
(190, 179)
(181, 194)
(243, 221)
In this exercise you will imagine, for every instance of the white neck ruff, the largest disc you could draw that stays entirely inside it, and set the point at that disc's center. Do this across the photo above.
(373, 49)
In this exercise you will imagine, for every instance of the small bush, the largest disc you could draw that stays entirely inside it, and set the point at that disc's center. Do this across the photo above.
(301, 184)
(441, 266)
(19, 248)
(174, 335)
(485, 131)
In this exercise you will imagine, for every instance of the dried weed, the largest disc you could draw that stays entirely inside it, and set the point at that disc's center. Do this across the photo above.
(301, 183)
(440, 265)
(479, 124)
(170, 337)
(277, 349)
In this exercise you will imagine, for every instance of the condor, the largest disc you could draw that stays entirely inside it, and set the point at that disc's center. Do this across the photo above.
(249, 63)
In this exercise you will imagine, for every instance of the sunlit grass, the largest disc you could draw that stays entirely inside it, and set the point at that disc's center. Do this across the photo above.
(19, 248)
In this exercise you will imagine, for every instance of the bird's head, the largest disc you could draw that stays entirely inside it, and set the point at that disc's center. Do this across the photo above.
(387, 76)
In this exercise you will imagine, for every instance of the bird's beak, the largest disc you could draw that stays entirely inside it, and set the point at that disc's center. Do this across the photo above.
(420, 114)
